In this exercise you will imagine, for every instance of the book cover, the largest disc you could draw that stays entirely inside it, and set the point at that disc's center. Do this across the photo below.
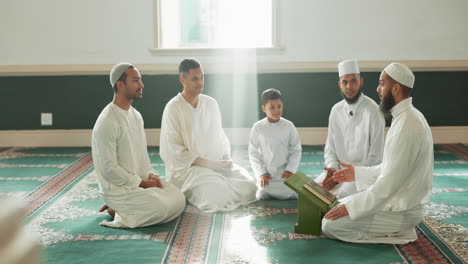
(320, 192)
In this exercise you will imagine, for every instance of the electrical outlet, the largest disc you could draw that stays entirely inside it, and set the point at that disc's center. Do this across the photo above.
(46, 119)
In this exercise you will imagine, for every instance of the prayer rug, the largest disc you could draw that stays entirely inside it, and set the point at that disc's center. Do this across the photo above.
(62, 194)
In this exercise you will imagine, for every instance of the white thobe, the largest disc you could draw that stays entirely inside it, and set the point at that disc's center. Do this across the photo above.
(391, 197)
(274, 148)
(356, 138)
(121, 162)
(188, 133)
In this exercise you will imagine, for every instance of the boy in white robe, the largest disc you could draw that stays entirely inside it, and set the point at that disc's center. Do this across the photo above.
(355, 130)
(274, 149)
(133, 193)
(392, 195)
(196, 151)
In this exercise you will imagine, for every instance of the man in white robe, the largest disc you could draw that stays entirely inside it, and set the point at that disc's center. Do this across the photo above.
(131, 190)
(392, 195)
(274, 149)
(355, 130)
(196, 151)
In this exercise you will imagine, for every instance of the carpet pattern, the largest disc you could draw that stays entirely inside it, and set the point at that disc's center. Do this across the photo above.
(61, 191)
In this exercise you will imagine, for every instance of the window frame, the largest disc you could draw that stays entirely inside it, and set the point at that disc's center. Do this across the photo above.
(158, 50)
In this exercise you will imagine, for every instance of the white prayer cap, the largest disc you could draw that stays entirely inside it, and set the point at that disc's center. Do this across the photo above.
(117, 71)
(348, 67)
(400, 73)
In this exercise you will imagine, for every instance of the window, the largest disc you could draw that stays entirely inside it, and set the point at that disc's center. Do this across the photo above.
(215, 24)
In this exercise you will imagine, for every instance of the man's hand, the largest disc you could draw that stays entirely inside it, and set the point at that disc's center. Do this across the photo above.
(286, 175)
(263, 180)
(155, 178)
(328, 183)
(345, 175)
(337, 212)
(221, 166)
(150, 184)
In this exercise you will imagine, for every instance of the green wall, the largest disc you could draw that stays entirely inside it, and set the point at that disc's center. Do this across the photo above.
(76, 101)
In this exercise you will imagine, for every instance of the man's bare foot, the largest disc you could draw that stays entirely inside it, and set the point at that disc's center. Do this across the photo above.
(110, 211)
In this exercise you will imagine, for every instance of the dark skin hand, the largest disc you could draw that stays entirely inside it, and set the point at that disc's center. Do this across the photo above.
(345, 175)
(329, 182)
(223, 167)
(110, 211)
(263, 180)
(286, 175)
(337, 212)
(152, 181)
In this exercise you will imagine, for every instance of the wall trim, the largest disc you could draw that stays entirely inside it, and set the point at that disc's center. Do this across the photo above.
(260, 67)
(238, 136)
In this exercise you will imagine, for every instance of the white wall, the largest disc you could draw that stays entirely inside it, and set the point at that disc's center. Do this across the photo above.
(375, 30)
(110, 31)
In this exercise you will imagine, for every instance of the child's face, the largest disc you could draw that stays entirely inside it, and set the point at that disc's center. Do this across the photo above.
(273, 110)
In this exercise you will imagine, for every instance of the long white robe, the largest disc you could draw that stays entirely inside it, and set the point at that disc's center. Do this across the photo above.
(391, 197)
(274, 148)
(188, 133)
(357, 139)
(121, 162)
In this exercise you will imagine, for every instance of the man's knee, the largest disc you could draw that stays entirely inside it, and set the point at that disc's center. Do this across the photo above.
(214, 192)
(179, 198)
(279, 194)
(330, 227)
(326, 226)
(262, 194)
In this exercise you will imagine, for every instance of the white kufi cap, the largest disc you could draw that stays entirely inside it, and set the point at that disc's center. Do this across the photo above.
(117, 71)
(348, 67)
(400, 73)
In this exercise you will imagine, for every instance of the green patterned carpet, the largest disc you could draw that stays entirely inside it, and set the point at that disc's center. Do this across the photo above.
(61, 192)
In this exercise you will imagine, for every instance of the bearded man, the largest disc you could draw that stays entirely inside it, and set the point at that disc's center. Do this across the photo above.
(391, 196)
(355, 130)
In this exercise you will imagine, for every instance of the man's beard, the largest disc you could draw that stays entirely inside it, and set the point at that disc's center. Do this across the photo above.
(351, 100)
(133, 95)
(386, 104)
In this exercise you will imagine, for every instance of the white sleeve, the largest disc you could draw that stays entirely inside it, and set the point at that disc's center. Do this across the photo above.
(393, 175)
(172, 148)
(105, 138)
(225, 140)
(295, 150)
(331, 160)
(377, 139)
(255, 155)
(150, 168)
(366, 176)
